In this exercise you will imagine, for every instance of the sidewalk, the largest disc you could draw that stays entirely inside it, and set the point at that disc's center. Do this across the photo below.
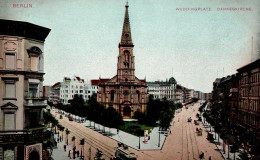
(225, 154)
(59, 153)
(129, 139)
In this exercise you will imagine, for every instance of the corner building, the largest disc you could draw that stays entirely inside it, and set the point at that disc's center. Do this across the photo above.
(21, 90)
(125, 92)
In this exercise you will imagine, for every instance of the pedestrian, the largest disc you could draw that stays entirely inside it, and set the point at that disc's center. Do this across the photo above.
(69, 153)
(170, 132)
(64, 147)
(117, 131)
(209, 157)
(77, 153)
(60, 138)
(74, 153)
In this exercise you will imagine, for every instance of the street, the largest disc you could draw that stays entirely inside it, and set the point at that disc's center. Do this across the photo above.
(183, 143)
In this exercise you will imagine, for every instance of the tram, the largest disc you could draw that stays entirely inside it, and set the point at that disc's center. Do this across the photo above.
(122, 153)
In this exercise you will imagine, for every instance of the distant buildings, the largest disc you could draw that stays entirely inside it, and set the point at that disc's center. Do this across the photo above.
(160, 89)
(21, 89)
(63, 92)
(173, 91)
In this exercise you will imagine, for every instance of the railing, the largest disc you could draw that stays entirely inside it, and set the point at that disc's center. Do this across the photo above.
(23, 136)
(40, 101)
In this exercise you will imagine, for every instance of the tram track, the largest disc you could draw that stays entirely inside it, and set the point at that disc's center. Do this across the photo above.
(192, 147)
(90, 140)
(93, 143)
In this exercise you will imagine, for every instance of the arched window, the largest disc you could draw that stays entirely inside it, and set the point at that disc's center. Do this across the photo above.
(138, 95)
(112, 95)
(35, 54)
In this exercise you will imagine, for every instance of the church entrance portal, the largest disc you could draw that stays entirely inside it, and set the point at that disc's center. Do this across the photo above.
(127, 111)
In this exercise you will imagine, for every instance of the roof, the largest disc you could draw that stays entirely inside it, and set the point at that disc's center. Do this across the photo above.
(78, 78)
(56, 84)
(172, 80)
(96, 81)
(126, 38)
(249, 66)
(23, 29)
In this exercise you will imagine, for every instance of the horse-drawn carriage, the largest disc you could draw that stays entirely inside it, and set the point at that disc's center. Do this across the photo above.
(199, 131)
(189, 119)
(196, 122)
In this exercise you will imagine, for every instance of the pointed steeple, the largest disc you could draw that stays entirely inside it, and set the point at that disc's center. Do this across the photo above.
(126, 38)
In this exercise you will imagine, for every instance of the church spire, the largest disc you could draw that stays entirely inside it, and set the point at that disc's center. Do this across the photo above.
(126, 38)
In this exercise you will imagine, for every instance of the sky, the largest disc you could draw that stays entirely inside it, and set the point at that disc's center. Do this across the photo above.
(194, 47)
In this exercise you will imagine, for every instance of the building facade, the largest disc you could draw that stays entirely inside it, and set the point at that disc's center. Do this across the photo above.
(21, 89)
(160, 89)
(249, 100)
(125, 92)
(238, 95)
(70, 87)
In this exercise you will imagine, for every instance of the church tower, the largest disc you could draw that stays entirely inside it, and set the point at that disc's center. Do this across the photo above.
(124, 92)
(125, 64)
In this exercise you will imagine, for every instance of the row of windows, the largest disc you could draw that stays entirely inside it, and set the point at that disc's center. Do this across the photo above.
(249, 119)
(10, 90)
(255, 77)
(254, 105)
(10, 62)
(253, 91)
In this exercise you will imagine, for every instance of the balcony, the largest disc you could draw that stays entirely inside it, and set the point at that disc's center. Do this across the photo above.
(38, 102)
(24, 136)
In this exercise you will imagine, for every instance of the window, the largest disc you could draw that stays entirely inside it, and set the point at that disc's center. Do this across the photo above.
(10, 90)
(34, 63)
(81, 91)
(33, 88)
(9, 121)
(10, 61)
(112, 96)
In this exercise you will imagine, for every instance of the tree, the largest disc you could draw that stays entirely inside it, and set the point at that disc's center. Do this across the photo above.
(141, 117)
(139, 132)
(73, 140)
(82, 142)
(62, 129)
(67, 133)
(111, 118)
(153, 111)
(58, 126)
(178, 105)
(99, 155)
(54, 124)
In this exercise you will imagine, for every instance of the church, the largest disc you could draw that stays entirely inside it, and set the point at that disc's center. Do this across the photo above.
(125, 92)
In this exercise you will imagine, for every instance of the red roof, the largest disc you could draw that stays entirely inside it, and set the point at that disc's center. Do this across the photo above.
(143, 80)
(96, 81)
(55, 84)
(78, 78)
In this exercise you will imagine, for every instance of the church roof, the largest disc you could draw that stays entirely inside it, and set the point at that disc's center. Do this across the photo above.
(126, 38)
(96, 81)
